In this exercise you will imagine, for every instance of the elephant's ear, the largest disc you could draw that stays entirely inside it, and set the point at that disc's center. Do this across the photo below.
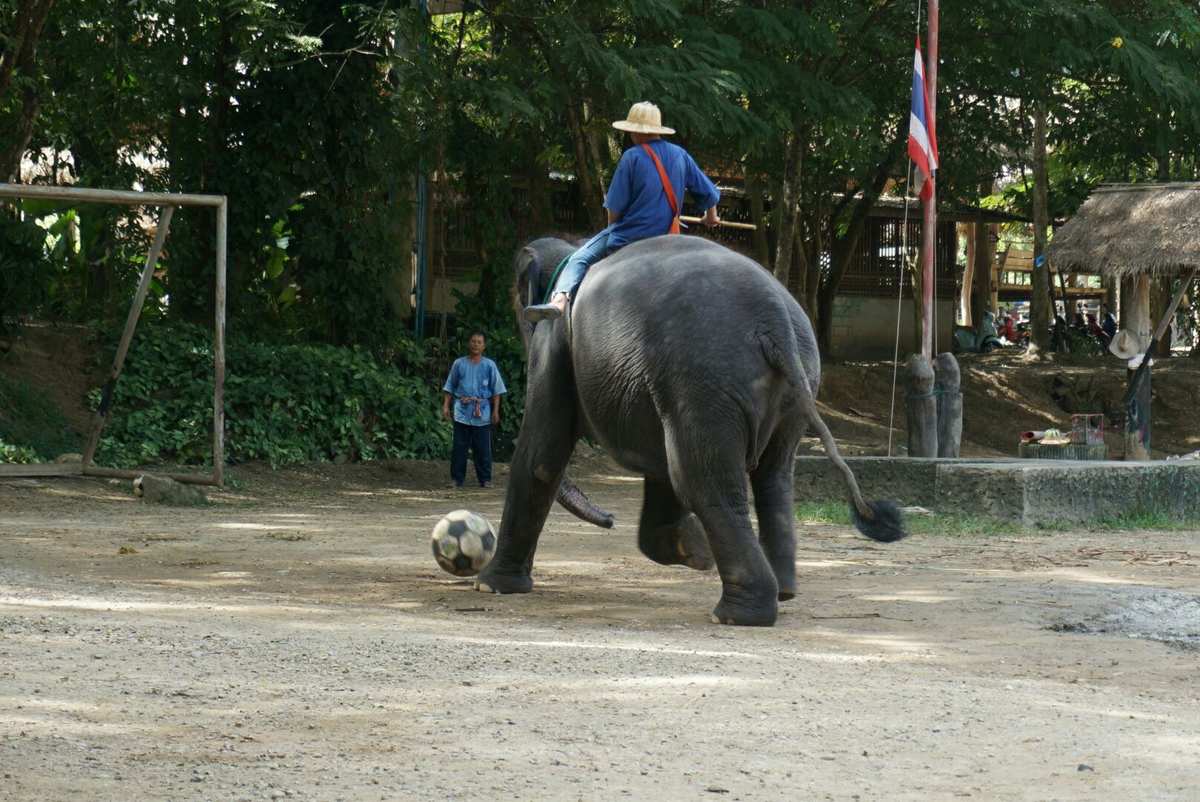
(526, 276)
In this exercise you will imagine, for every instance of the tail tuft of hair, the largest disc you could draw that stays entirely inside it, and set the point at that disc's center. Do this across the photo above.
(886, 523)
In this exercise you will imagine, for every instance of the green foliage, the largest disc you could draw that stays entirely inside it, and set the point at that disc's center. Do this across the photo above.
(18, 455)
(283, 404)
(32, 429)
(314, 117)
(23, 280)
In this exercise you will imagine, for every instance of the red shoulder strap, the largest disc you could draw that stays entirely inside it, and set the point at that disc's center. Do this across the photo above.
(666, 182)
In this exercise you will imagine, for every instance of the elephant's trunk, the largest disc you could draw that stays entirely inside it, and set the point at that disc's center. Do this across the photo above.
(575, 502)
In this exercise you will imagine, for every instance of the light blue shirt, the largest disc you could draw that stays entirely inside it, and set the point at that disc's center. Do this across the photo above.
(480, 380)
(636, 192)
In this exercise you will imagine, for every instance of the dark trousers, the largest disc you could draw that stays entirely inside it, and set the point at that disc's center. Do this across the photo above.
(479, 440)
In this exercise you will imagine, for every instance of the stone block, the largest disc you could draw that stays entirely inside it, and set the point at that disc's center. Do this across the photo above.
(1029, 492)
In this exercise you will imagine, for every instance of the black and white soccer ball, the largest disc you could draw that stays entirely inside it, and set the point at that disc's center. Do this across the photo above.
(463, 543)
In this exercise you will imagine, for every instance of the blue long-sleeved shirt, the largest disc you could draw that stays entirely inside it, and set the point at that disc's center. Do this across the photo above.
(637, 195)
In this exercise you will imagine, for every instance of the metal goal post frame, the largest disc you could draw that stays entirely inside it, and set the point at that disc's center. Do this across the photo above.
(168, 202)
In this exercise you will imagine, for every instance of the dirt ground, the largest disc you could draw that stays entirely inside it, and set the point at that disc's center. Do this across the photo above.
(296, 640)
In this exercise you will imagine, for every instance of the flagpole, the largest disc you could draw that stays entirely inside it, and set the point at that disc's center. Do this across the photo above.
(929, 224)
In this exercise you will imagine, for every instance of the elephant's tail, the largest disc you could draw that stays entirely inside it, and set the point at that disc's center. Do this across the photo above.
(878, 520)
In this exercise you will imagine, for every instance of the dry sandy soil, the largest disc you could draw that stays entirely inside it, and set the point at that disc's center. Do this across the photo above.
(295, 639)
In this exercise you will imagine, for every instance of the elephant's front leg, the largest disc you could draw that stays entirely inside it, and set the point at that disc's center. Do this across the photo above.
(668, 533)
(544, 447)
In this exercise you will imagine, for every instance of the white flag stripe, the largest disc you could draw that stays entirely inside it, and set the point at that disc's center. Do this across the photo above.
(916, 130)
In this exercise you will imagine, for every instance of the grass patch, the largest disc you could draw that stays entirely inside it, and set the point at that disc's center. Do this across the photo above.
(31, 427)
(1143, 519)
(837, 513)
(823, 512)
(958, 525)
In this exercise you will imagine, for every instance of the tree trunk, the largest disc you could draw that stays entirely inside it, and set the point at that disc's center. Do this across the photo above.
(812, 282)
(789, 207)
(799, 262)
(19, 51)
(754, 190)
(1160, 301)
(18, 55)
(776, 218)
(1125, 289)
(14, 154)
(1136, 313)
(966, 295)
(593, 200)
(541, 202)
(981, 290)
(598, 152)
(398, 284)
(1039, 304)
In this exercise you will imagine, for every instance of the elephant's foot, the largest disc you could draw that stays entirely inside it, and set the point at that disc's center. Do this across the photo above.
(783, 568)
(682, 543)
(787, 585)
(495, 582)
(745, 610)
(692, 545)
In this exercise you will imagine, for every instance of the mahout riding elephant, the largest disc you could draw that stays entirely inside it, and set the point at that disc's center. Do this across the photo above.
(694, 367)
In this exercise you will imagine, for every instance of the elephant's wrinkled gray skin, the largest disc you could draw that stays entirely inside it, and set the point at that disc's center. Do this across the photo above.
(694, 367)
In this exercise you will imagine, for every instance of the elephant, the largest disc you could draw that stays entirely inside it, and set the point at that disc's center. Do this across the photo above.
(692, 366)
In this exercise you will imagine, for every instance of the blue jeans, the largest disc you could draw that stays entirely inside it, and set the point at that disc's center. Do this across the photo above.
(479, 440)
(578, 263)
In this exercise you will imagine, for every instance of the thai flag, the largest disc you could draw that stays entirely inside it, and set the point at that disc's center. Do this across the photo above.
(922, 141)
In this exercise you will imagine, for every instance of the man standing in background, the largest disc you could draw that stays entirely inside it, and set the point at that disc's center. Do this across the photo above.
(474, 386)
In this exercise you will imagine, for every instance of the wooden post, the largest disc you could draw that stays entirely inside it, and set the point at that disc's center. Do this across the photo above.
(1137, 418)
(219, 350)
(1137, 397)
(921, 404)
(929, 224)
(966, 297)
(947, 379)
(135, 311)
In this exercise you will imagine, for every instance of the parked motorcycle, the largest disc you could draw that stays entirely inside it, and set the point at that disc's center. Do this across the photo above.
(982, 339)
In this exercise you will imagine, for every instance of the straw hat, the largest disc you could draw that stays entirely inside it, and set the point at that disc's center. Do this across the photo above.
(643, 118)
(1125, 345)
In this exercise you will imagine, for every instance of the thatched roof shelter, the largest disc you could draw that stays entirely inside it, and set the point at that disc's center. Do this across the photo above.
(1129, 229)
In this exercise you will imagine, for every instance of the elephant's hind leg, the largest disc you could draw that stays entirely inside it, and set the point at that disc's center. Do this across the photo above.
(774, 494)
(668, 533)
(714, 488)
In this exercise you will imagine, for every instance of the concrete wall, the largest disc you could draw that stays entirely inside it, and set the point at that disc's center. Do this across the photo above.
(865, 327)
(1028, 491)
